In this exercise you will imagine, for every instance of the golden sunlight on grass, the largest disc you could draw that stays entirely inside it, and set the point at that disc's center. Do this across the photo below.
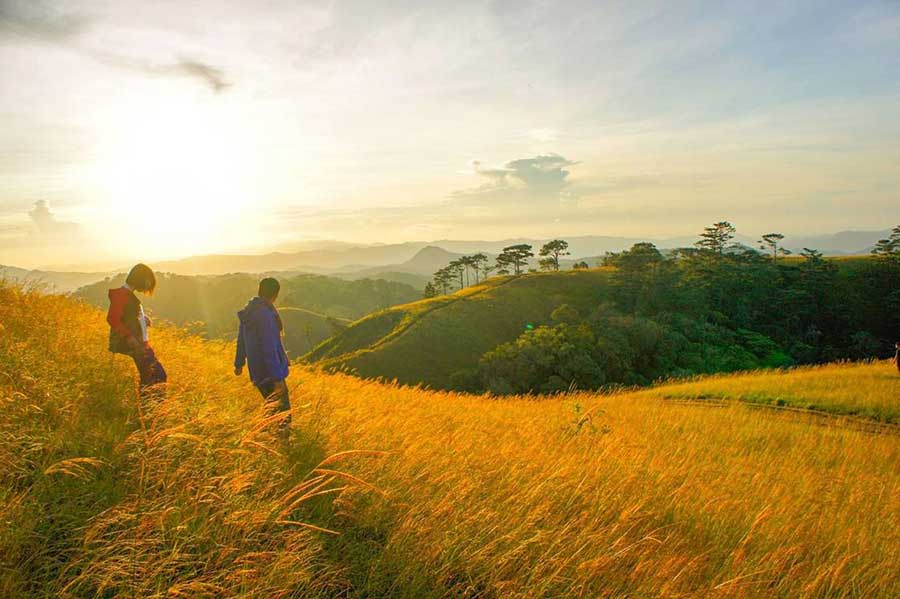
(869, 390)
(617, 496)
(628, 495)
(99, 497)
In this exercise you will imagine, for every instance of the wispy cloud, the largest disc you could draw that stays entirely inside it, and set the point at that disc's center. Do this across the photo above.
(47, 22)
(213, 77)
(42, 19)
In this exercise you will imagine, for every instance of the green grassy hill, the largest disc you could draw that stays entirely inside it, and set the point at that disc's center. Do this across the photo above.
(304, 329)
(429, 340)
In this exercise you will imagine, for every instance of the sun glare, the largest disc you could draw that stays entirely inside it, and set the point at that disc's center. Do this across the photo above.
(178, 169)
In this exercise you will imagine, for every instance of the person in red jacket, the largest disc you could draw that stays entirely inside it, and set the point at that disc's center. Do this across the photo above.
(128, 326)
(897, 355)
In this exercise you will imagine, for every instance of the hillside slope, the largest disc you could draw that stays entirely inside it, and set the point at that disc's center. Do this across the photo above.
(585, 495)
(429, 340)
(304, 329)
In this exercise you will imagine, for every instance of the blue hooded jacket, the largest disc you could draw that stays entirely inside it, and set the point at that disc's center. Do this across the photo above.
(259, 343)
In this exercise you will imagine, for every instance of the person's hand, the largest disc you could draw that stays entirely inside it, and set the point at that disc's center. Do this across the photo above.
(238, 370)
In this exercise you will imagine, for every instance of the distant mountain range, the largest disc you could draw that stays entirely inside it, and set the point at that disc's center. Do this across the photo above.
(424, 262)
(413, 262)
(408, 257)
(56, 281)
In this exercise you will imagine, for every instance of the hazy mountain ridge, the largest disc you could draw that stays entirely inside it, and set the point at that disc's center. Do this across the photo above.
(424, 262)
(399, 261)
(363, 260)
(57, 281)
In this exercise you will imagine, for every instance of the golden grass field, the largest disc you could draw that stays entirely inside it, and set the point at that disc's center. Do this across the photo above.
(448, 495)
(859, 389)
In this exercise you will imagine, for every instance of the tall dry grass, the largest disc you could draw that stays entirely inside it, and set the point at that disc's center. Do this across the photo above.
(103, 496)
(627, 495)
(618, 496)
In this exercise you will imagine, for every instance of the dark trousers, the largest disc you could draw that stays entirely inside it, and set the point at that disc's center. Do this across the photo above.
(150, 370)
(277, 399)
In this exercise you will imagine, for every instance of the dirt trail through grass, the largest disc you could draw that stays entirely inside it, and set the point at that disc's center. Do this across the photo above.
(864, 390)
(818, 416)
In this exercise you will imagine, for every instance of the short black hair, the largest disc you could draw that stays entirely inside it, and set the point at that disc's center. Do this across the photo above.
(141, 278)
(269, 288)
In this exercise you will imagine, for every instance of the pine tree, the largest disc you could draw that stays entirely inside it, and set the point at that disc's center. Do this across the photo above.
(717, 238)
(479, 265)
(551, 251)
(515, 256)
(769, 242)
(888, 249)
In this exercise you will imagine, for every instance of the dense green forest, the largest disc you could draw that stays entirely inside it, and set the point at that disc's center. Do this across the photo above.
(711, 308)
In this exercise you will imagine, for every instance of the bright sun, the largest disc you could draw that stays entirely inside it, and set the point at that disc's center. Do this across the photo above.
(177, 172)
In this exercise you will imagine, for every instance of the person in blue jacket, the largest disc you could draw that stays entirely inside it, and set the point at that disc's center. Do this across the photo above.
(259, 346)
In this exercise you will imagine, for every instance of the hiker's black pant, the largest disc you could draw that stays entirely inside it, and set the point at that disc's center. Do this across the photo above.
(151, 372)
(277, 399)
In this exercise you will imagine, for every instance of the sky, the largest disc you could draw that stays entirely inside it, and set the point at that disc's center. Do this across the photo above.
(150, 130)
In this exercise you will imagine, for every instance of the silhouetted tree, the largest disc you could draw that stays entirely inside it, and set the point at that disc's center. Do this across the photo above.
(551, 251)
(811, 255)
(582, 265)
(637, 259)
(504, 264)
(717, 238)
(515, 256)
(442, 279)
(479, 265)
(636, 271)
(769, 242)
(457, 270)
(430, 290)
(888, 249)
(467, 262)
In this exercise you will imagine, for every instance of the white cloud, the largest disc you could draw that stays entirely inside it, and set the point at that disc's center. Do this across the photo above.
(49, 227)
(540, 178)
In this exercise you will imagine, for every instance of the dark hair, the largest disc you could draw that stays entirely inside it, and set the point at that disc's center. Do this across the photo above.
(269, 288)
(141, 278)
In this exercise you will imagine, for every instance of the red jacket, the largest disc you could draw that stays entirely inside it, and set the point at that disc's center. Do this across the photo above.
(123, 319)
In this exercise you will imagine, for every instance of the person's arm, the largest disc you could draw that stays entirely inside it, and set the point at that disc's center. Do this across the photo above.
(117, 303)
(240, 356)
(271, 344)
